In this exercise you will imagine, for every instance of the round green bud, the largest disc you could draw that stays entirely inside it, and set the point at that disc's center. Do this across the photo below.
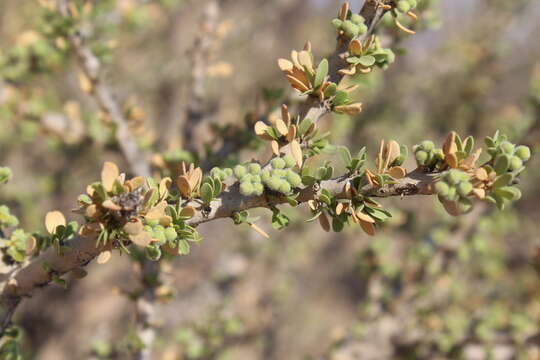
(147, 228)
(421, 157)
(228, 172)
(507, 147)
(442, 188)
(258, 189)
(12, 221)
(254, 168)
(255, 179)
(152, 222)
(350, 29)
(215, 172)
(279, 172)
(523, 152)
(438, 153)
(428, 145)
(274, 183)
(464, 205)
(362, 29)
(390, 55)
(265, 176)
(293, 178)
(246, 178)
(285, 187)
(357, 19)
(516, 163)
(246, 188)
(464, 188)
(454, 177)
(413, 4)
(159, 234)
(337, 23)
(452, 193)
(278, 163)
(289, 161)
(170, 233)
(403, 6)
(239, 171)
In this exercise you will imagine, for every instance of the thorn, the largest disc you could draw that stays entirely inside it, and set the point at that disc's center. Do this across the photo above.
(403, 28)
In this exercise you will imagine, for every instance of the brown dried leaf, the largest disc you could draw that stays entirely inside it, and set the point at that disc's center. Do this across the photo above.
(479, 193)
(142, 239)
(285, 65)
(109, 174)
(365, 217)
(285, 115)
(91, 212)
(368, 228)
(344, 11)
(323, 220)
(291, 134)
(260, 128)
(355, 47)
(339, 208)
(53, 219)
(296, 62)
(188, 211)
(352, 109)
(104, 257)
(296, 151)
(282, 127)
(135, 183)
(134, 227)
(397, 172)
(275, 147)
(184, 186)
(157, 212)
(452, 160)
(297, 84)
(449, 146)
(392, 152)
(164, 187)
(304, 58)
(481, 174)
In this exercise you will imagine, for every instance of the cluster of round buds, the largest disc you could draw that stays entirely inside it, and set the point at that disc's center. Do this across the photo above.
(455, 186)
(427, 155)
(221, 174)
(249, 176)
(404, 6)
(509, 157)
(160, 233)
(349, 24)
(6, 218)
(281, 177)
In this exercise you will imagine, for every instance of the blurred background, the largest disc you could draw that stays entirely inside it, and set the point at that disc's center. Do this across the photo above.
(428, 286)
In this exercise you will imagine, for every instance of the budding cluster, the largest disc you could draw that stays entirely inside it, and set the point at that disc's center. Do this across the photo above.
(455, 185)
(250, 179)
(404, 6)
(350, 25)
(221, 174)
(509, 157)
(427, 155)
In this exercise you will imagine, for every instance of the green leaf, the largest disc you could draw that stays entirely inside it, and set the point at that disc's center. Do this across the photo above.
(341, 98)
(330, 90)
(337, 224)
(304, 126)
(503, 180)
(207, 193)
(345, 155)
(502, 162)
(183, 247)
(280, 220)
(468, 145)
(322, 72)
(367, 60)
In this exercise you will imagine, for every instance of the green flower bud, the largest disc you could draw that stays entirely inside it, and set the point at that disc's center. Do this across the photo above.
(285, 187)
(413, 4)
(278, 163)
(350, 29)
(258, 189)
(170, 233)
(274, 183)
(215, 172)
(442, 188)
(147, 228)
(507, 147)
(246, 188)
(279, 172)
(289, 161)
(152, 222)
(247, 178)
(438, 153)
(421, 157)
(362, 29)
(293, 178)
(455, 176)
(239, 171)
(428, 145)
(255, 179)
(228, 172)
(523, 152)
(254, 168)
(515, 163)
(357, 19)
(452, 193)
(464, 188)
(337, 23)
(265, 176)
(403, 6)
